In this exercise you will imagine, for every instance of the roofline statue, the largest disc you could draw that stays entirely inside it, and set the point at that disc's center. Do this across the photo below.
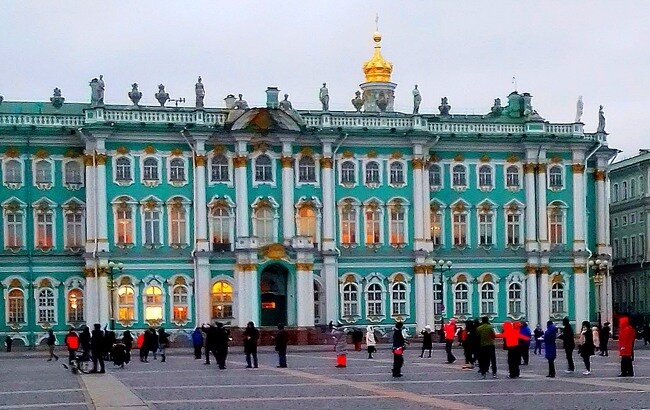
(601, 120)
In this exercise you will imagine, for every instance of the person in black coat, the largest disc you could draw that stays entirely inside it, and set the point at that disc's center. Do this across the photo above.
(97, 345)
(9, 341)
(210, 342)
(222, 336)
(84, 342)
(399, 344)
(127, 340)
(603, 337)
(587, 347)
(281, 342)
(427, 340)
(154, 344)
(569, 342)
(163, 343)
(251, 336)
(150, 340)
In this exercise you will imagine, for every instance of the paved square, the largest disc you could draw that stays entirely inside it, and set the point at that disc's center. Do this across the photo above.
(312, 382)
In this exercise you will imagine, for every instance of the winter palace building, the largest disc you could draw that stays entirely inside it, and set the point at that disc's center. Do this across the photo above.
(131, 215)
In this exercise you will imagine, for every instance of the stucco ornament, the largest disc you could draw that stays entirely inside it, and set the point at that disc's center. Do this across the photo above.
(444, 106)
(601, 120)
(161, 95)
(135, 95)
(286, 104)
(56, 99)
(97, 88)
(324, 97)
(200, 93)
(579, 108)
(382, 101)
(417, 99)
(274, 251)
(357, 101)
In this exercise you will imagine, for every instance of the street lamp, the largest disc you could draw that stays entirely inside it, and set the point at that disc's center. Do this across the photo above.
(442, 266)
(599, 268)
(111, 285)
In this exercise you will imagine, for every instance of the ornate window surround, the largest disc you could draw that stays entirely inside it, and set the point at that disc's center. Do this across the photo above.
(364, 166)
(438, 207)
(185, 204)
(155, 281)
(485, 188)
(70, 284)
(42, 283)
(8, 284)
(133, 283)
(226, 203)
(14, 205)
(519, 173)
(44, 206)
(74, 206)
(378, 279)
(489, 277)
(21, 162)
(356, 207)
(271, 203)
(188, 283)
(560, 277)
(235, 295)
(405, 279)
(180, 156)
(441, 168)
(405, 173)
(461, 206)
(404, 204)
(274, 157)
(458, 188)
(317, 206)
(48, 184)
(350, 278)
(379, 207)
(557, 206)
(298, 182)
(154, 203)
(561, 167)
(129, 202)
(72, 185)
(514, 207)
(150, 182)
(229, 156)
(486, 207)
(519, 278)
(114, 159)
(469, 281)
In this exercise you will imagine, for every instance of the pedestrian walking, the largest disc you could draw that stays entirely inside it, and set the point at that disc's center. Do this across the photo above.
(357, 339)
(512, 335)
(149, 343)
(524, 343)
(210, 342)
(118, 354)
(427, 340)
(550, 350)
(197, 342)
(51, 344)
(72, 343)
(281, 342)
(399, 344)
(467, 341)
(605, 334)
(626, 336)
(538, 334)
(109, 341)
(450, 335)
(8, 342)
(251, 337)
(163, 344)
(223, 339)
(371, 341)
(127, 340)
(141, 346)
(569, 343)
(340, 344)
(97, 345)
(487, 353)
(595, 334)
(586, 346)
(84, 342)
(154, 343)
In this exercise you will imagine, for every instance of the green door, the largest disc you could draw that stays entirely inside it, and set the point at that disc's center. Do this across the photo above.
(273, 291)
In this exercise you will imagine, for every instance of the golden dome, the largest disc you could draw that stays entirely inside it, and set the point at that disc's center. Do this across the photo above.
(377, 69)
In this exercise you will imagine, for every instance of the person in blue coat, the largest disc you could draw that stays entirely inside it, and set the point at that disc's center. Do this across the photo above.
(549, 347)
(197, 342)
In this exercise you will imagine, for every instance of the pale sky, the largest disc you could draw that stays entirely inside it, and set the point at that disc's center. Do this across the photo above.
(467, 51)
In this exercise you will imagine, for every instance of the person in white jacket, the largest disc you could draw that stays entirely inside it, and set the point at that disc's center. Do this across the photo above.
(371, 342)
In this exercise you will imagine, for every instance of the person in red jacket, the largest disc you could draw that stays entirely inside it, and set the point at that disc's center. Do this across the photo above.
(72, 343)
(450, 334)
(511, 334)
(626, 337)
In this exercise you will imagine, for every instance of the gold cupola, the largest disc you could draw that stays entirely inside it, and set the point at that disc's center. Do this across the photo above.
(377, 69)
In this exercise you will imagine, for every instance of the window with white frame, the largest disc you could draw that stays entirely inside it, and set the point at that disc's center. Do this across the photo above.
(372, 225)
(43, 172)
(513, 228)
(221, 219)
(641, 244)
(397, 215)
(151, 216)
(556, 225)
(123, 170)
(435, 176)
(44, 229)
(348, 225)
(16, 306)
(459, 228)
(13, 172)
(264, 221)
(485, 177)
(263, 169)
(557, 299)
(74, 228)
(350, 299)
(75, 306)
(73, 173)
(153, 305)
(461, 299)
(399, 299)
(150, 169)
(515, 304)
(459, 176)
(307, 222)
(221, 300)
(177, 224)
(372, 173)
(124, 225)
(486, 228)
(14, 227)
(437, 298)
(487, 298)
(125, 303)
(45, 306)
(641, 186)
(307, 169)
(180, 303)
(219, 169)
(177, 170)
(512, 177)
(555, 180)
(624, 190)
(396, 173)
(374, 300)
(348, 173)
(436, 216)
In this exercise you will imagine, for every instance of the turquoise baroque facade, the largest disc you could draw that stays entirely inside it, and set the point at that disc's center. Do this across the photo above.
(177, 216)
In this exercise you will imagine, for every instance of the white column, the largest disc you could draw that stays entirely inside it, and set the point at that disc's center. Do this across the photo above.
(579, 201)
(426, 210)
(532, 312)
(420, 270)
(91, 297)
(202, 305)
(288, 219)
(544, 297)
(91, 203)
(330, 274)
(304, 295)
(609, 311)
(104, 299)
(327, 182)
(201, 217)
(531, 208)
(581, 294)
(428, 295)
(542, 219)
(241, 191)
(102, 204)
(246, 294)
(601, 208)
(418, 224)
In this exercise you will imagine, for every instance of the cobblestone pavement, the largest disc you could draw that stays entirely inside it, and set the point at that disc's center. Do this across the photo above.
(311, 381)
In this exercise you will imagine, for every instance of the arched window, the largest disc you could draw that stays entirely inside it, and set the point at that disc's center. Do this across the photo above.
(153, 307)
(348, 173)
(459, 177)
(615, 193)
(221, 298)
(221, 233)
(461, 299)
(307, 222)
(125, 303)
(317, 303)
(16, 306)
(487, 298)
(43, 172)
(435, 177)
(399, 301)
(372, 172)
(515, 307)
(124, 225)
(264, 225)
(46, 306)
(73, 173)
(374, 298)
(306, 169)
(555, 177)
(13, 172)
(178, 224)
(350, 300)
(396, 173)
(44, 229)
(624, 190)
(349, 225)
(75, 306)
(397, 215)
(485, 176)
(219, 169)
(151, 217)
(180, 302)
(557, 298)
(373, 225)
(263, 168)
(150, 172)
(123, 169)
(512, 177)
(177, 170)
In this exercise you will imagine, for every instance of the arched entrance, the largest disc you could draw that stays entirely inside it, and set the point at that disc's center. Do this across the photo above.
(273, 295)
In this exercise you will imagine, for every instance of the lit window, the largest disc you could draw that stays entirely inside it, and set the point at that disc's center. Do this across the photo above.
(46, 306)
(555, 177)
(43, 172)
(178, 224)
(264, 221)
(123, 169)
(459, 229)
(485, 228)
(126, 303)
(13, 172)
(512, 177)
(221, 232)
(557, 298)
(396, 173)
(73, 172)
(307, 169)
(374, 297)
(221, 300)
(153, 309)
(74, 229)
(459, 177)
(350, 300)
(373, 225)
(435, 178)
(75, 306)
(485, 176)
(177, 170)
(150, 169)
(436, 226)
(151, 226)
(124, 225)
(16, 308)
(219, 169)
(461, 299)
(398, 306)
(307, 222)
(44, 229)
(397, 225)
(515, 299)
(263, 169)
(348, 225)
(372, 172)
(487, 298)
(180, 303)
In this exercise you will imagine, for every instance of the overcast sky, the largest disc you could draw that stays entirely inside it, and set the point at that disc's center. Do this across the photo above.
(468, 51)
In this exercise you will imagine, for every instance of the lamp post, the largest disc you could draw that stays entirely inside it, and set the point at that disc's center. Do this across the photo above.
(599, 268)
(442, 266)
(111, 286)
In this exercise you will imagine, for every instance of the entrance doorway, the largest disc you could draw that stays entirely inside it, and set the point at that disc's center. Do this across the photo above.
(273, 295)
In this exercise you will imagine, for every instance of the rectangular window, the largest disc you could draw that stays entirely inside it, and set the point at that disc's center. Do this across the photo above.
(633, 248)
(348, 226)
(14, 232)
(178, 226)
(485, 225)
(436, 228)
(624, 253)
(74, 227)
(44, 230)
(124, 226)
(397, 227)
(459, 229)
(641, 245)
(151, 227)
(373, 235)
(556, 228)
(513, 229)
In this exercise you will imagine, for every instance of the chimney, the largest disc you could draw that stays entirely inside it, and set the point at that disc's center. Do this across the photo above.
(272, 97)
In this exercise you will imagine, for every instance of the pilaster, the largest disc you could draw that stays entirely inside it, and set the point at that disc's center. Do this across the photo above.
(330, 274)
(579, 200)
(581, 294)
(288, 220)
(542, 218)
(201, 217)
(544, 295)
(531, 206)
(240, 162)
(327, 182)
(532, 298)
